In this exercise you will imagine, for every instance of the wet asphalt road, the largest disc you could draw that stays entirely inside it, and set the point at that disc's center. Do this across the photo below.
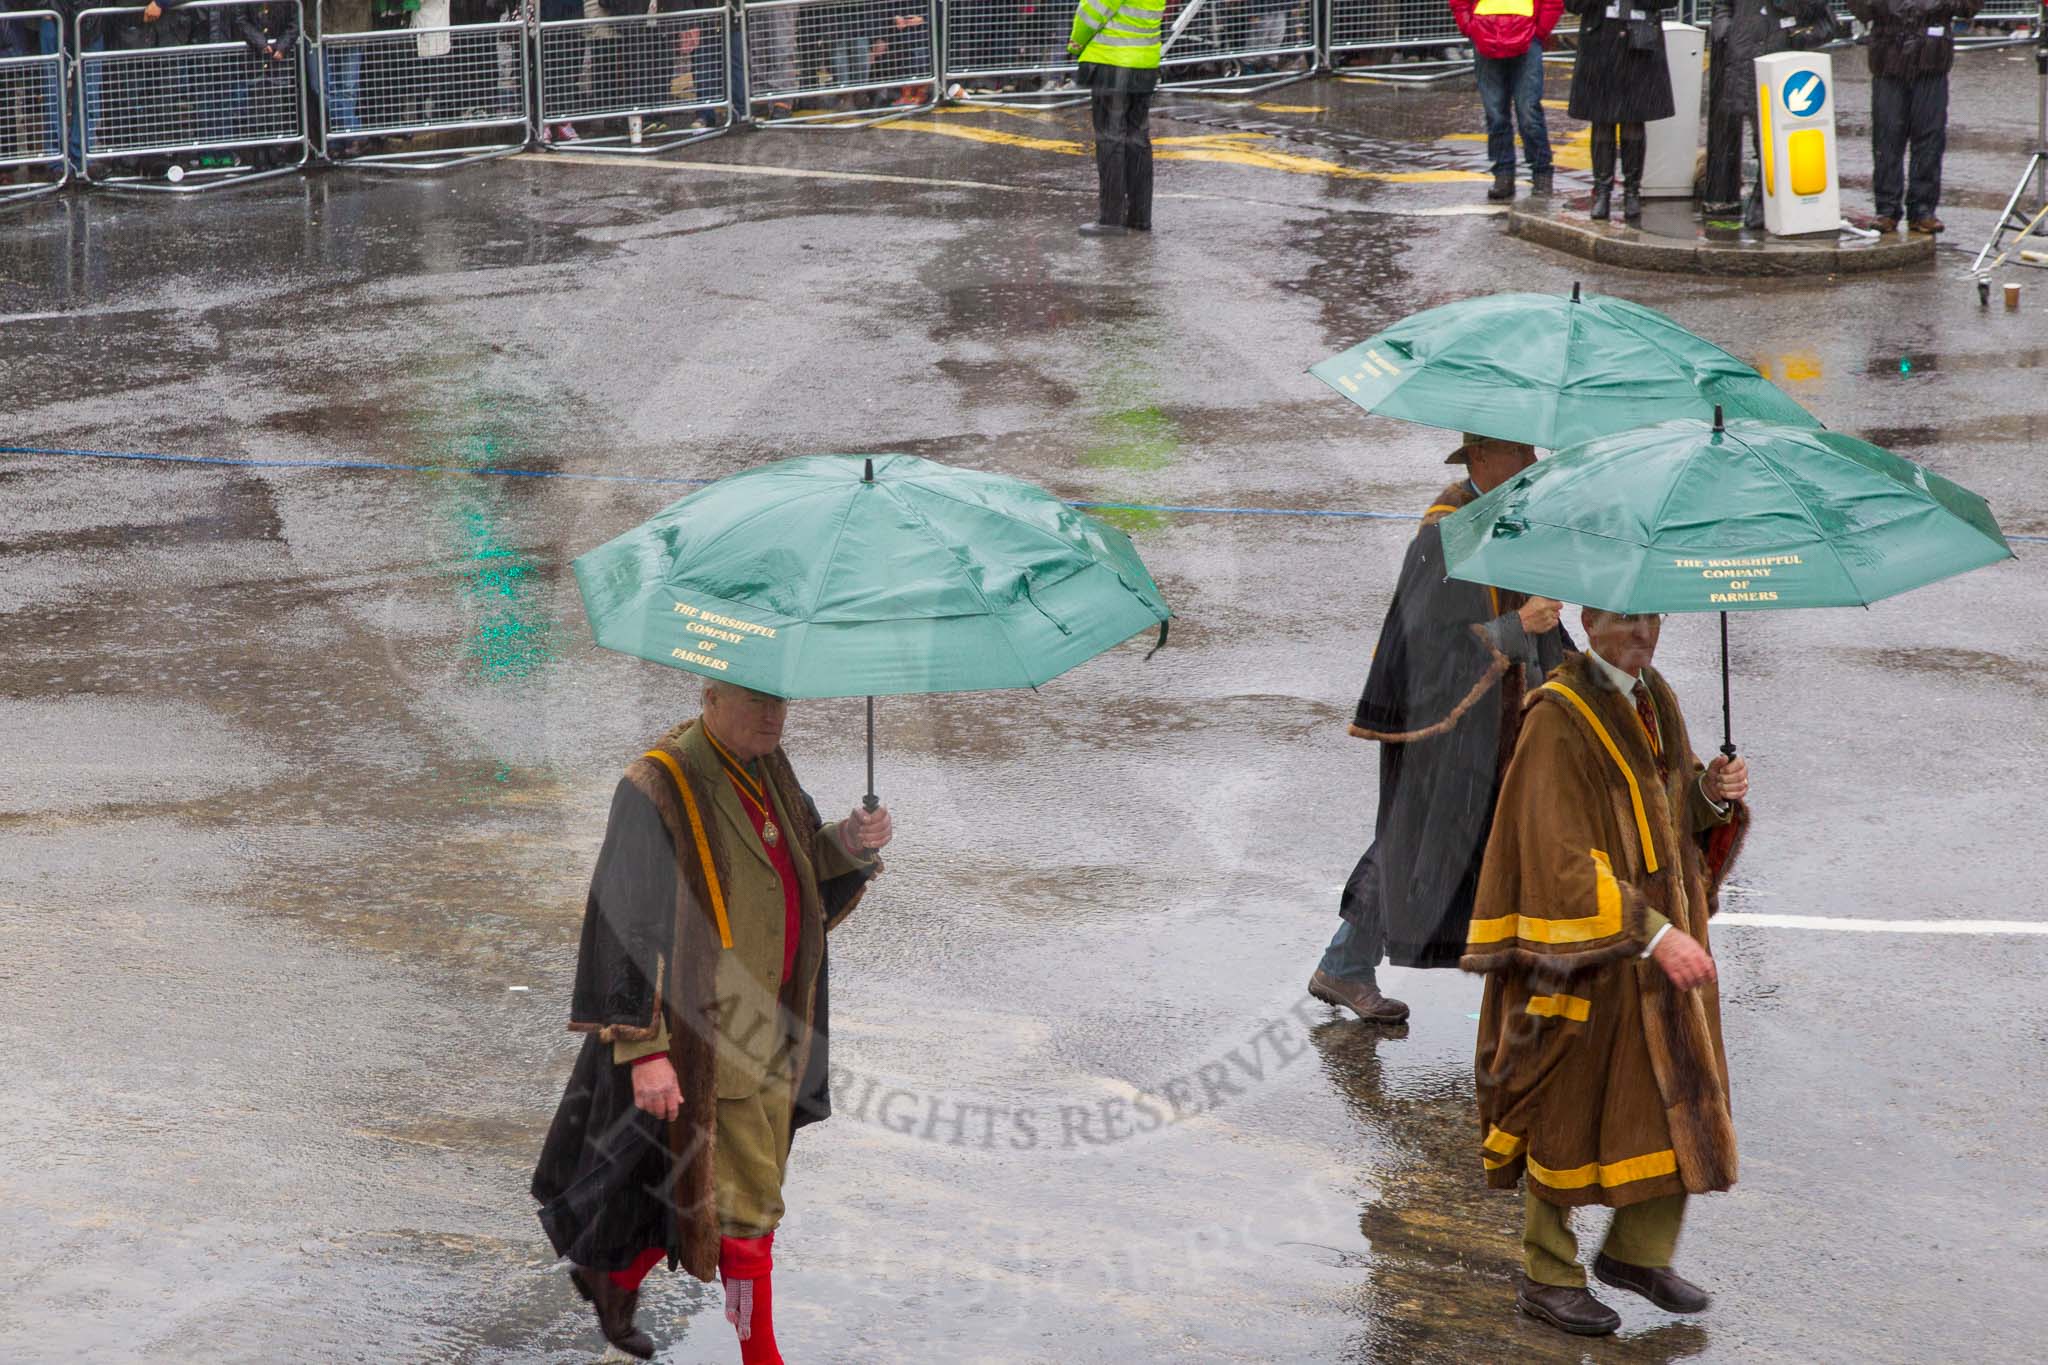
(305, 767)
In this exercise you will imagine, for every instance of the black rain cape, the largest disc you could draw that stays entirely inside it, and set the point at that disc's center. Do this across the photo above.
(1437, 794)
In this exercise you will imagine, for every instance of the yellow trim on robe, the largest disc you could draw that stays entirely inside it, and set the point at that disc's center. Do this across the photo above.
(703, 845)
(1635, 793)
(1507, 1144)
(1576, 1008)
(1608, 1175)
(1604, 922)
(1443, 507)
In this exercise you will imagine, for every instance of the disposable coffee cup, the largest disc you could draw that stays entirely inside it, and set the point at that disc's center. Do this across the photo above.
(2012, 296)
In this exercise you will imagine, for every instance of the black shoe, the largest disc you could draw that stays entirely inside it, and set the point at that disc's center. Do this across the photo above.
(1567, 1308)
(1603, 202)
(1138, 227)
(615, 1308)
(1102, 229)
(1540, 184)
(1503, 187)
(1632, 206)
(1668, 1290)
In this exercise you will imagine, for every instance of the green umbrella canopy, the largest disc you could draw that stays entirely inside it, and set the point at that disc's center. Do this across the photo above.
(806, 579)
(1685, 516)
(1550, 370)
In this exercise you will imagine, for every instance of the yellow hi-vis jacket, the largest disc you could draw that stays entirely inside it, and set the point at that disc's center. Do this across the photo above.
(1110, 33)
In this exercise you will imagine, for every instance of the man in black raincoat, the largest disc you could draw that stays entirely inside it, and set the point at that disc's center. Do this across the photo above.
(1741, 32)
(1444, 698)
(700, 992)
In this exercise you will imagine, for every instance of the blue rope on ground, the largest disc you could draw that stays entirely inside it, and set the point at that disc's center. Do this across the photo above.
(492, 471)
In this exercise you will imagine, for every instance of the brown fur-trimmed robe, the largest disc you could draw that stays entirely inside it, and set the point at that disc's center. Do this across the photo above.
(612, 1179)
(1597, 1078)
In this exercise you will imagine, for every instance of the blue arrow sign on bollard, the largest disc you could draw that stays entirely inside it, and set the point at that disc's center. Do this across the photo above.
(1805, 93)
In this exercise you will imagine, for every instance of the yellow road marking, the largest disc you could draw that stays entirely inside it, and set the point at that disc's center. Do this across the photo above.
(1289, 108)
(1232, 149)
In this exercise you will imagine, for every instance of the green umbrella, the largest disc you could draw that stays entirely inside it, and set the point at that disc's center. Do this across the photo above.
(1692, 516)
(1549, 370)
(846, 576)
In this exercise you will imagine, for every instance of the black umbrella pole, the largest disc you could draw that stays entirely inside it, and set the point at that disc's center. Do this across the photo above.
(871, 801)
(1727, 721)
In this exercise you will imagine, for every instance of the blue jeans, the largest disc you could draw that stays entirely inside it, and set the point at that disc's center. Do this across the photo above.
(1516, 82)
(1355, 952)
(852, 61)
(90, 77)
(344, 76)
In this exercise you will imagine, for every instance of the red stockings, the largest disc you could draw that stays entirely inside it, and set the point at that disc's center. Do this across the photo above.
(744, 1264)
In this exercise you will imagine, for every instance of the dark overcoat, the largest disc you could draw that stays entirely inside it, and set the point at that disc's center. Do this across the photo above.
(1436, 794)
(613, 1180)
(1619, 74)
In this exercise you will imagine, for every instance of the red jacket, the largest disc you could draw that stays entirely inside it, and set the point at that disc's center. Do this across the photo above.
(1505, 28)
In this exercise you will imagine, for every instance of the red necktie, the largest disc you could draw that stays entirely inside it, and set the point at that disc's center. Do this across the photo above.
(1646, 712)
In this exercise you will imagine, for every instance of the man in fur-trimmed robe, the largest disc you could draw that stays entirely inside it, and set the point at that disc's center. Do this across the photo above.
(1442, 748)
(1601, 1075)
(700, 992)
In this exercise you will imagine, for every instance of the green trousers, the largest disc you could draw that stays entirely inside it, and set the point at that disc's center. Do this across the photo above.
(1643, 1234)
(752, 1158)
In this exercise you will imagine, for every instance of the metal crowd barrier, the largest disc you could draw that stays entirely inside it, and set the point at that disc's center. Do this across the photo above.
(1006, 50)
(835, 63)
(662, 79)
(189, 105)
(1370, 37)
(1240, 47)
(33, 120)
(419, 86)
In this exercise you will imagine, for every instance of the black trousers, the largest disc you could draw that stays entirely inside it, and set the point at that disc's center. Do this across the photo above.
(1908, 113)
(1123, 158)
(1633, 142)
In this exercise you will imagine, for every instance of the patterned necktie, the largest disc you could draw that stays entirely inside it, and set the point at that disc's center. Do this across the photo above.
(1646, 712)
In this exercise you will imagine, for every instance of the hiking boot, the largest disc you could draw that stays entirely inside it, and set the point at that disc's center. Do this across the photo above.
(1361, 999)
(1541, 184)
(1885, 226)
(1928, 226)
(1569, 1308)
(1659, 1284)
(1503, 187)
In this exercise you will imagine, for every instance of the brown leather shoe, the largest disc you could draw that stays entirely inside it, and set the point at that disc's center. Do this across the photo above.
(1669, 1291)
(1567, 1308)
(1884, 225)
(615, 1308)
(1928, 226)
(1364, 1001)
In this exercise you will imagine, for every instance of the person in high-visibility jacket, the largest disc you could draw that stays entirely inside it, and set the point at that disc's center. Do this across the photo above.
(1507, 59)
(1117, 42)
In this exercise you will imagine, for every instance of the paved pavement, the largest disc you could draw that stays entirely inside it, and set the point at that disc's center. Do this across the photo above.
(308, 760)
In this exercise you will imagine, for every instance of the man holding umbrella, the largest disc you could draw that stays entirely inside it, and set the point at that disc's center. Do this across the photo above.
(1601, 1078)
(700, 992)
(1444, 699)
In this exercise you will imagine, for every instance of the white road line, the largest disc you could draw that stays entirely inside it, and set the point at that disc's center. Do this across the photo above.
(1882, 926)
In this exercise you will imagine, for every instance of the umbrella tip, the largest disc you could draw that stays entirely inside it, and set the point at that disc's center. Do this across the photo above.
(1719, 425)
(1575, 291)
(868, 474)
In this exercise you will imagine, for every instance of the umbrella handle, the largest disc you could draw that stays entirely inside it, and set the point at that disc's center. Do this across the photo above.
(871, 802)
(1727, 722)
